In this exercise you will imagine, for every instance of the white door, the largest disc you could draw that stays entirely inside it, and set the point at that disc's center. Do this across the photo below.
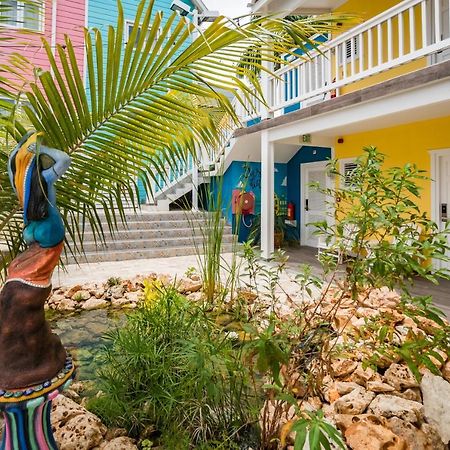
(443, 195)
(314, 204)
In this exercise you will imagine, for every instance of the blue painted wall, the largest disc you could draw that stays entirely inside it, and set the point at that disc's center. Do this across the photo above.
(247, 175)
(305, 154)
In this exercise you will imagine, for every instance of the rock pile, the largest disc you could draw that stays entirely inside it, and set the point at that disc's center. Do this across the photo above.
(381, 407)
(75, 428)
(115, 293)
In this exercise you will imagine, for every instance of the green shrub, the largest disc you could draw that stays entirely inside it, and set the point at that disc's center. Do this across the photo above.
(171, 368)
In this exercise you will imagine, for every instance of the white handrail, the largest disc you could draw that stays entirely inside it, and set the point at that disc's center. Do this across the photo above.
(410, 30)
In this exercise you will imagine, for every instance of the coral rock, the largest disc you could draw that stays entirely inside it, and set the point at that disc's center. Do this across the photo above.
(94, 303)
(391, 406)
(355, 402)
(436, 400)
(379, 387)
(369, 434)
(400, 377)
(343, 367)
(81, 295)
(120, 443)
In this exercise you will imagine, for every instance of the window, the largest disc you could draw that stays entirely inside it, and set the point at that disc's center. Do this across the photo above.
(348, 50)
(129, 29)
(348, 167)
(23, 14)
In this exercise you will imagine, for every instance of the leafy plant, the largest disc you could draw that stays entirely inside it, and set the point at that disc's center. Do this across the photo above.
(171, 368)
(315, 432)
(113, 281)
(379, 226)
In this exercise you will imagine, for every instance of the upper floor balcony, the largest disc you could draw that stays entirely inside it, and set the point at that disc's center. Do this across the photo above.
(407, 37)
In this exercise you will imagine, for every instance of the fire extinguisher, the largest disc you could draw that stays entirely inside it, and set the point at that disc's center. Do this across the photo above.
(291, 211)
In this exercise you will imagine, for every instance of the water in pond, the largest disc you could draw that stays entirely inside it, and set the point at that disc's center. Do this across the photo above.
(83, 336)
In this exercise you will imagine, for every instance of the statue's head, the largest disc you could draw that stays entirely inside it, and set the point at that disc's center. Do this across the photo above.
(25, 175)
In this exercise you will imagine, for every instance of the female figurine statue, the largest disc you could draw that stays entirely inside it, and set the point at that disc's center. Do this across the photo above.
(30, 354)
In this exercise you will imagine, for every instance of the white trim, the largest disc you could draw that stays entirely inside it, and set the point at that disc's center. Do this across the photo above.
(434, 173)
(54, 25)
(20, 17)
(435, 187)
(303, 167)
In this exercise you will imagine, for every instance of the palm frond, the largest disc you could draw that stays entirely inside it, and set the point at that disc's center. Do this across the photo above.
(149, 102)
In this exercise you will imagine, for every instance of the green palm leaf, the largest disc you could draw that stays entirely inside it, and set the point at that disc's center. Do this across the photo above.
(149, 102)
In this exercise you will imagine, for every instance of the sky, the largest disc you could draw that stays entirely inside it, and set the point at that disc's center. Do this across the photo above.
(230, 8)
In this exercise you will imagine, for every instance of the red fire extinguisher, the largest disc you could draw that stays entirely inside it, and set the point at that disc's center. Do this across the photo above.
(291, 211)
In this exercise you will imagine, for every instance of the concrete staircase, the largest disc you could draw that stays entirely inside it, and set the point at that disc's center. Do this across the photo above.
(151, 235)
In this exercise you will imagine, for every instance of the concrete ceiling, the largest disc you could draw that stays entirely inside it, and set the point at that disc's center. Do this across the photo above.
(296, 6)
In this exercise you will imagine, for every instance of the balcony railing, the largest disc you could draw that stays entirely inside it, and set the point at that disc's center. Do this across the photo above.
(411, 30)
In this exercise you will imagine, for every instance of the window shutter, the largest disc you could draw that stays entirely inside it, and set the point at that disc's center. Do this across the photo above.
(348, 170)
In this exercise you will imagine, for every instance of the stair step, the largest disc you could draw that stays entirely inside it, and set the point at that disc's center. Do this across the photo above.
(157, 233)
(154, 224)
(124, 255)
(136, 244)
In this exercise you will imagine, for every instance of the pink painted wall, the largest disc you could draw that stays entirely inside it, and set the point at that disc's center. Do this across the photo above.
(70, 20)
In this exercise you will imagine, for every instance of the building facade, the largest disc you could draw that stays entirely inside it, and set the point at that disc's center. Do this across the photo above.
(383, 82)
(49, 19)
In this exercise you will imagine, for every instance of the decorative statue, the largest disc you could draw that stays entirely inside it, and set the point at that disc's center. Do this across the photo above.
(34, 366)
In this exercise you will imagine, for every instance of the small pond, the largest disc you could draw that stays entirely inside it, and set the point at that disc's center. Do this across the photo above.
(83, 336)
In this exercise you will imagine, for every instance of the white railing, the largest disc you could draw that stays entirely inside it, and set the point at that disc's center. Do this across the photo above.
(409, 31)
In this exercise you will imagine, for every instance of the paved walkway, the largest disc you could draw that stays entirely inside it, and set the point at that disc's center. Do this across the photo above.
(100, 272)
(177, 266)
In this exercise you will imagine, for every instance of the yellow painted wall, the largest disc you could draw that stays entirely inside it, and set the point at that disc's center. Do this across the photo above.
(365, 10)
(402, 144)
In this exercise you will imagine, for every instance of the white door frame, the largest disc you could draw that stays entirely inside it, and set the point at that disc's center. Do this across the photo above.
(303, 168)
(435, 184)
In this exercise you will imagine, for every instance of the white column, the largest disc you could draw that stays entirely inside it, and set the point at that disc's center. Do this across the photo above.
(194, 186)
(266, 87)
(267, 195)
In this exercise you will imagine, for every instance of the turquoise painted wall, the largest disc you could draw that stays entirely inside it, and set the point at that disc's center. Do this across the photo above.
(247, 175)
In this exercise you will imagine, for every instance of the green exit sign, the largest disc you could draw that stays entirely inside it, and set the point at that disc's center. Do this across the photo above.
(306, 138)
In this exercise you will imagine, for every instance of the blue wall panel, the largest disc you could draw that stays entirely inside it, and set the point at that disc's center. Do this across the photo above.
(247, 175)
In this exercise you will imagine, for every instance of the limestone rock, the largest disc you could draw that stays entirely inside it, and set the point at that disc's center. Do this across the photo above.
(446, 371)
(379, 387)
(81, 295)
(369, 434)
(433, 437)
(66, 304)
(400, 377)
(361, 376)
(119, 302)
(114, 433)
(73, 290)
(345, 387)
(343, 367)
(133, 296)
(391, 406)
(74, 427)
(116, 291)
(355, 402)
(83, 432)
(415, 438)
(94, 303)
(436, 401)
(188, 286)
(120, 443)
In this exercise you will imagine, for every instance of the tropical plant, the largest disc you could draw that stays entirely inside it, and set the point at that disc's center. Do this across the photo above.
(171, 368)
(378, 224)
(147, 103)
